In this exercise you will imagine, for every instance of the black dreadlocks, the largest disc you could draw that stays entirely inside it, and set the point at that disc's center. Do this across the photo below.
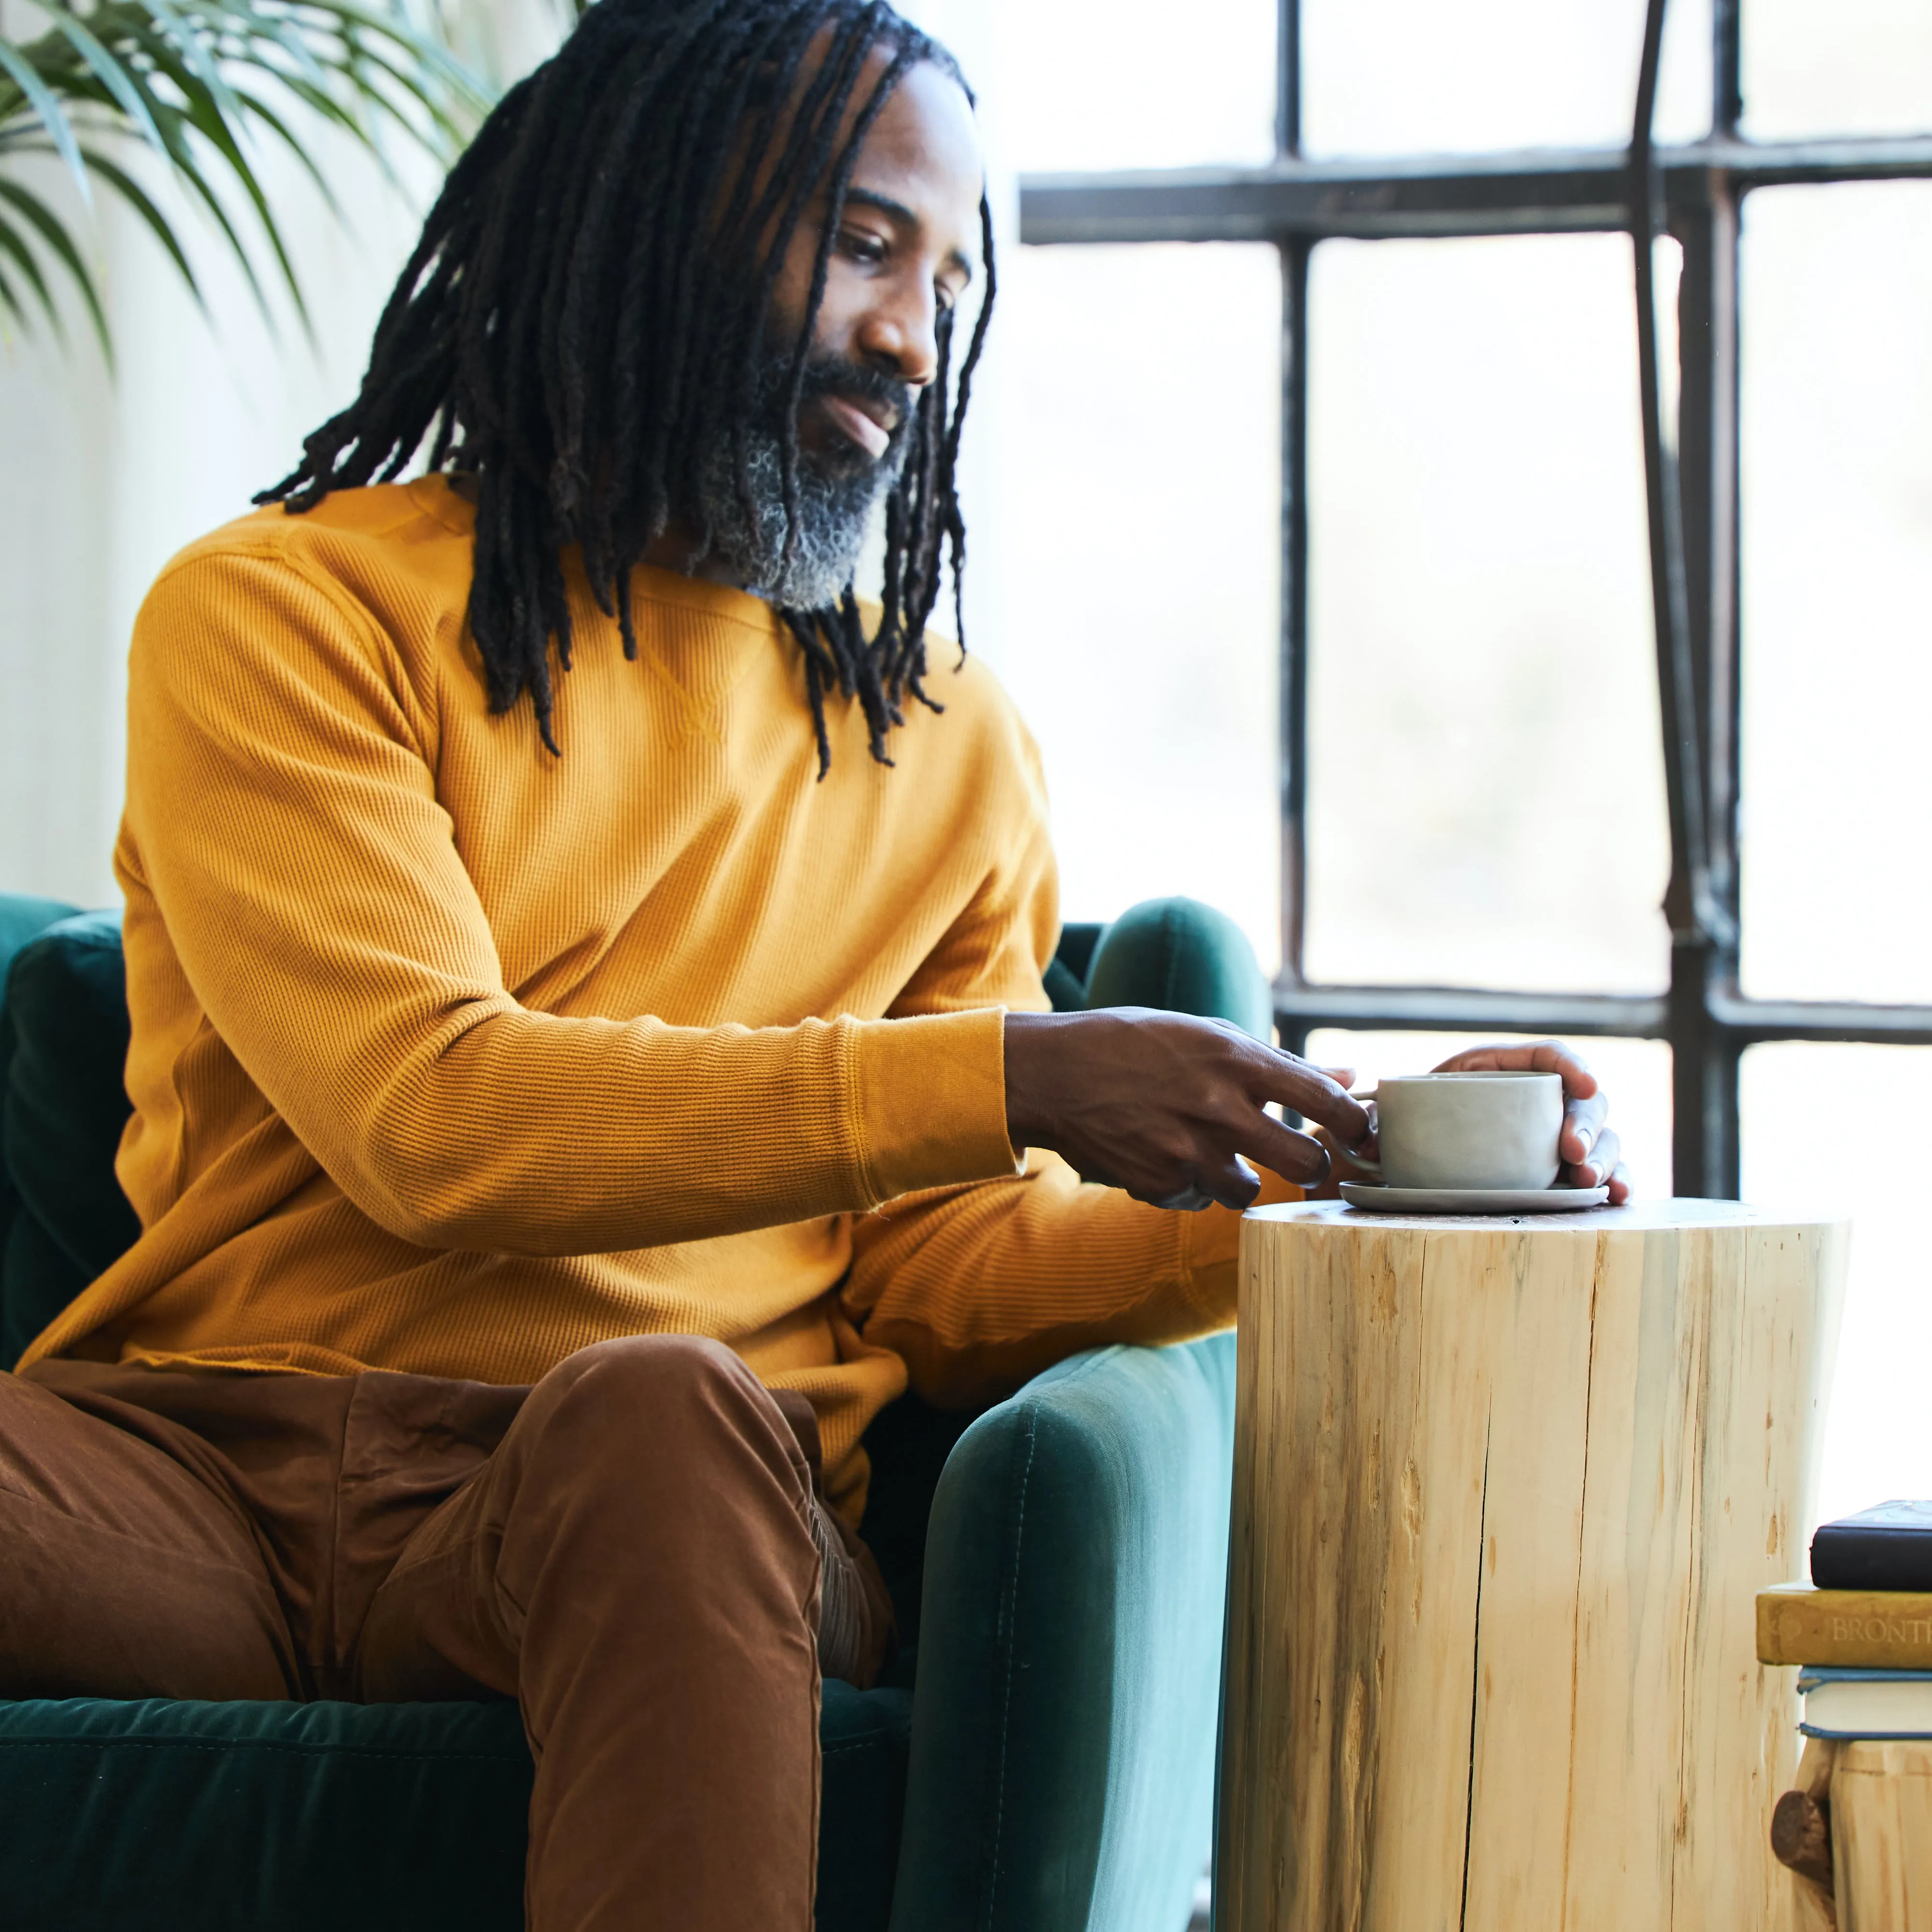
(583, 319)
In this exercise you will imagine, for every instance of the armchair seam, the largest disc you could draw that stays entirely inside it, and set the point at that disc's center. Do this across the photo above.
(275, 1747)
(1170, 957)
(1009, 1621)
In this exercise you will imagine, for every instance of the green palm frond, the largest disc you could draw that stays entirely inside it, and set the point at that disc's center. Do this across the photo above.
(200, 84)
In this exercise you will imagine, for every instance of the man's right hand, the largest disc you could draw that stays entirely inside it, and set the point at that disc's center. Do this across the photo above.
(1163, 1105)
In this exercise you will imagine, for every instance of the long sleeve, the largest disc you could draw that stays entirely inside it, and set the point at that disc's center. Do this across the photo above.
(284, 787)
(979, 1287)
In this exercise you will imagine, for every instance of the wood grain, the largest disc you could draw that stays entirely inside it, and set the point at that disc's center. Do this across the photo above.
(1505, 1492)
(1882, 1836)
(1815, 1905)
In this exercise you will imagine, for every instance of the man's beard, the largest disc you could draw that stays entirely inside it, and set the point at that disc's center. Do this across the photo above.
(838, 496)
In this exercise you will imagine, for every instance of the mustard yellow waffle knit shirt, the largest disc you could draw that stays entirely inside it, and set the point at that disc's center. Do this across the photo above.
(452, 1056)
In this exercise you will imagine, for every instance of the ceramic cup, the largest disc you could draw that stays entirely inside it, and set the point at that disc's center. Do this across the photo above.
(1486, 1130)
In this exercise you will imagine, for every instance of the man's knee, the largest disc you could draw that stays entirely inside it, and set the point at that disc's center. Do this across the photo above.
(643, 1376)
(670, 1402)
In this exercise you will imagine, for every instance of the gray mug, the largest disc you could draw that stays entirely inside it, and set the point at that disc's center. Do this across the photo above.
(1467, 1130)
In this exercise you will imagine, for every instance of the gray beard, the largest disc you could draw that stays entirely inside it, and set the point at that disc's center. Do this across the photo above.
(835, 512)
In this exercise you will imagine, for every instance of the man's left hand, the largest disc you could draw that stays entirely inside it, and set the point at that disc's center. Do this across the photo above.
(1588, 1149)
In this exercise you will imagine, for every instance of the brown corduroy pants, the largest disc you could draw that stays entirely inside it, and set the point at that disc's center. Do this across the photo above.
(635, 1548)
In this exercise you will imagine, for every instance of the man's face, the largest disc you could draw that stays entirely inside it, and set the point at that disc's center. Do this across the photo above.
(904, 251)
(903, 254)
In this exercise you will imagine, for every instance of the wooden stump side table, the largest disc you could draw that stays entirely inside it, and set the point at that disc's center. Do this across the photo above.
(1881, 1834)
(1504, 1492)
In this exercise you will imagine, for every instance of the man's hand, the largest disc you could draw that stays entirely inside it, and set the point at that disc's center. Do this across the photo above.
(1164, 1106)
(1587, 1148)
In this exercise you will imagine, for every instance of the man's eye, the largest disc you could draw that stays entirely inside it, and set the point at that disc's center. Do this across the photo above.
(863, 248)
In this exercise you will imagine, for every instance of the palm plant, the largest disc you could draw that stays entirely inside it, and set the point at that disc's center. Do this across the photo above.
(199, 84)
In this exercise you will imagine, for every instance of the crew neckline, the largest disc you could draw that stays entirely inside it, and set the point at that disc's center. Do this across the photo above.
(436, 496)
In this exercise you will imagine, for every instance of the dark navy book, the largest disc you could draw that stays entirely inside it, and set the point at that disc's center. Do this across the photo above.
(1887, 1547)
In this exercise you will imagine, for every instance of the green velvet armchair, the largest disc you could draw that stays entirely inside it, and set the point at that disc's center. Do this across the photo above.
(1041, 1762)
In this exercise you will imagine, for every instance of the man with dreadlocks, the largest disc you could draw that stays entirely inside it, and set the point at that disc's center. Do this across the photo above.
(587, 997)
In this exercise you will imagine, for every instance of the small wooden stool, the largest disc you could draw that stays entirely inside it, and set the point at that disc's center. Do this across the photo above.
(1861, 1849)
(1504, 1492)
(1881, 1834)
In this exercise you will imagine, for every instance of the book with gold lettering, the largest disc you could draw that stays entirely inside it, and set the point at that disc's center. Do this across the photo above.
(1859, 1630)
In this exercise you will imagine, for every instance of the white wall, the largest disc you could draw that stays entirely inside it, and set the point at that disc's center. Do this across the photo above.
(104, 478)
(58, 667)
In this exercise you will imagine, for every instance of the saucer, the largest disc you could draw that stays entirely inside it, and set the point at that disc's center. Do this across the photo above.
(1378, 1200)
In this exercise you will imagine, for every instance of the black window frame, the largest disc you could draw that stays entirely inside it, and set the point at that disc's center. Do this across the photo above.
(1696, 192)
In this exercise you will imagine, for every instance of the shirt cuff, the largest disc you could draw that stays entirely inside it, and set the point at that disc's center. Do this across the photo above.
(930, 1101)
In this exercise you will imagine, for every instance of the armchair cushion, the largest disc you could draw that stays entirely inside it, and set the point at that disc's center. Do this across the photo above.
(63, 1103)
(22, 916)
(160, 1816)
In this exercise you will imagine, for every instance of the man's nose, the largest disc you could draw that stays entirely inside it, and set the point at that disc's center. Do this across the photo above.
(901, 335)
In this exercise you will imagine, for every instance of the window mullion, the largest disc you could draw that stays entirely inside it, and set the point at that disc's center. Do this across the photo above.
(1705, 1053)
(1293, 647)
(1288, 78)
(1727, 105)
(1295, 258)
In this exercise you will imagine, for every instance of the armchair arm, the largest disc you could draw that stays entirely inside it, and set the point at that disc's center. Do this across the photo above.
(1063, 1756)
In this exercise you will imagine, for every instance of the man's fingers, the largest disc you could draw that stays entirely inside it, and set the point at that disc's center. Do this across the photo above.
(1352, 1158)
(1619, 1185)
(1234, 1184)
(1602, 1162)
(1294, 1156)
(1583, 1126)
(1315, 1095)
(1539, 1056)
(1549, 1056)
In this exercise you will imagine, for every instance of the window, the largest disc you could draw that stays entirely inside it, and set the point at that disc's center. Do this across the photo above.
(1478, 618)
(1134, 589)
(1456, 305)
(1836, 287)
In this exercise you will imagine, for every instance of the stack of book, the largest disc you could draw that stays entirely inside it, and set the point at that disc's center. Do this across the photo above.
(1861, 1634)
(1860, 1631)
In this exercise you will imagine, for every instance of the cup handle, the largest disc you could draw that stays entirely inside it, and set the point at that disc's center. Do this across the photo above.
(1365, 1163)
